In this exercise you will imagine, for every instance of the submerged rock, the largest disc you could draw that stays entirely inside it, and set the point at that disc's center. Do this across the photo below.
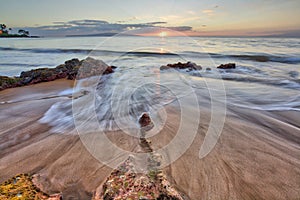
(71, 69)
(227, 66)
(179, 65)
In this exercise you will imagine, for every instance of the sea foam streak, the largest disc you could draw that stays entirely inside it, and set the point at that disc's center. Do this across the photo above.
(119, 99)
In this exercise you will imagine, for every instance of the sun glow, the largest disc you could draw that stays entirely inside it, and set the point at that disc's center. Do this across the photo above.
(163, 34)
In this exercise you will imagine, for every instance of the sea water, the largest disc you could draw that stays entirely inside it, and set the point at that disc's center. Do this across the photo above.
(266, 75)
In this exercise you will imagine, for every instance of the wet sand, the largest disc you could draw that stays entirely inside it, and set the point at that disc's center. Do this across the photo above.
(256, 157)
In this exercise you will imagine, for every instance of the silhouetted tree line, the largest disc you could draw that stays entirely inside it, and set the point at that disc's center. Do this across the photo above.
(5, 30)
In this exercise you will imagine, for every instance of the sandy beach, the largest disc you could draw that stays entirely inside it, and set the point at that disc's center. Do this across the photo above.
(150, 100)
(256, 157)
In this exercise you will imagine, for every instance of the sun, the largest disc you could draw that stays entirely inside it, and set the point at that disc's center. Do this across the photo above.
(163, 34)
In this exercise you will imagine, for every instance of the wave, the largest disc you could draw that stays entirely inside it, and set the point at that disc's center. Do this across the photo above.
(280, 83)
(252, 57)
(26, 64)
(90, 51)
(41, 50)
(276, 107)
(116, 107)
(248, 76)
(268, 58)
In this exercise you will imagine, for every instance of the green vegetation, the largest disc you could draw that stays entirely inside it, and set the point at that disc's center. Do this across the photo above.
(7, 82)
(20, 187)
(5, 32)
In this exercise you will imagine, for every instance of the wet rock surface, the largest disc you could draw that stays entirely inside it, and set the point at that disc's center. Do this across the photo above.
(227, 66)
(71, 69)
(190, 66)
(125, 183)
(145, 120)
(179, 65)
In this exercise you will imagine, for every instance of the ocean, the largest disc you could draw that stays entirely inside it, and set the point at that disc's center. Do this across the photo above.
(266, 77)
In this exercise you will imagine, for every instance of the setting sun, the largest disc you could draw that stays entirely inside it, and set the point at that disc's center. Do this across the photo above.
(163, 34)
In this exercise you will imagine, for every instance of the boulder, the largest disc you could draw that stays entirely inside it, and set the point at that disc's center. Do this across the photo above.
(227, 66)
(92, 67)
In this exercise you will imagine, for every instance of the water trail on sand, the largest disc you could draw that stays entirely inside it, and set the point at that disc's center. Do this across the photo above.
(119, 99)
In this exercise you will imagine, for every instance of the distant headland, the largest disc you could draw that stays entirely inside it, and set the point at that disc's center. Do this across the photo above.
(5, 32)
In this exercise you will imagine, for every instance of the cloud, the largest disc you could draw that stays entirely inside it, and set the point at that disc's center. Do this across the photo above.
(207, 11)
(180, 28)
(155, 23)
(87, 22)
(191, 12)
(86, 26)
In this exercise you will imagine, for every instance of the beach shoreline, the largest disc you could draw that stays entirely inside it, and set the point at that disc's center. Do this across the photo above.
(256, 157)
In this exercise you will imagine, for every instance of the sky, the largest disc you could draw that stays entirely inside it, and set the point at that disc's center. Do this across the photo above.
(152, 17)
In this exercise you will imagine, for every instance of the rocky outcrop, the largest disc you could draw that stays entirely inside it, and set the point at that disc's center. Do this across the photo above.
(179, 65)
(227, 66)
(190, 66)
(71, 69)
(8, 82)
(22, 187)
(125, 183)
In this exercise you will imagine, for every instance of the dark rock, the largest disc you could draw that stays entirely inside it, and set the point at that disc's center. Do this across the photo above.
(27, 80)
(86, 68)
(208, 69)
(193, 66)
(227, 66)
(145, 120)
(179, 65)
(70, 64)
